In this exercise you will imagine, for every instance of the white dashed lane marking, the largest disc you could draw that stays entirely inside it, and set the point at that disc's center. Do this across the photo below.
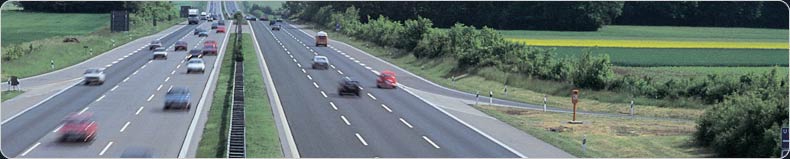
(333, 105)
(387, 108)
(406, 123)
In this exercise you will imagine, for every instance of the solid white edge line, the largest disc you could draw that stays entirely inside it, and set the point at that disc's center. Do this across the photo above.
(429, 103)
(467, 124)
(291, 145)
(387, 108)
(138, 111)
(406, 123)
(430, 142)
(217, 62)
(361, 139)
(30, 149)
(105, 148)
(125, 125)
(345, 120)
(39, 103)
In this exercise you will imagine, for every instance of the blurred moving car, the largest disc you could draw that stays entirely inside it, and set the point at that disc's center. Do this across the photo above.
(276, 27)
(195, 53)
(321, 39)
(210, 43)
(197, 31)
(209, 50)
(264, 18)
(272, 22)
(203, 34)
(178, 97)
(348, 86)
(181, 46)
(154, 44)
(196, 65)
(320, 62)
(78, 128)
(250, 18)
(386, 79)
(221, 22)
(214, 25)
(137, 152)
(160, 53)
(94, 75)
(221, 29)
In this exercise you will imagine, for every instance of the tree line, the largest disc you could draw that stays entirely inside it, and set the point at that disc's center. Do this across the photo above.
(570, 16)
(760, 97)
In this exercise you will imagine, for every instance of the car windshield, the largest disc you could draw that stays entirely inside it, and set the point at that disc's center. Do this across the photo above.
(92, 71)
(195, 61)
(159, 49)
(179, 90)
(320, 59)
(181, 43)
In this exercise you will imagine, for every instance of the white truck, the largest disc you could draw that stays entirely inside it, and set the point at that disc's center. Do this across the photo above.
(193, 16)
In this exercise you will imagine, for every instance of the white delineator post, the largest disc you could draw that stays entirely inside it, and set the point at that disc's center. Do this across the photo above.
(491, 98)
(632, 108)
(545, 100)
(477, 97)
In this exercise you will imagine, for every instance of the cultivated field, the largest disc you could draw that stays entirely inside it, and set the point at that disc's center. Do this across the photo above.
(684, 57)
(18, 27)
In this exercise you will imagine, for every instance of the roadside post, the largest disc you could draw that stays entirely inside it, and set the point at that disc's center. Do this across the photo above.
(490, 98)
(86, 48)
(632, 108)
(477, 97)
(785, 143)
(505, 90)
(545, 100)
(574, 100)
(52, 64)
(584, 144)
(452, 80)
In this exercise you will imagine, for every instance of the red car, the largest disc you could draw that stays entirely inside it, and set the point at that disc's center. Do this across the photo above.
(386, 80)
(220, 29)
(210, 43)
(78, 128)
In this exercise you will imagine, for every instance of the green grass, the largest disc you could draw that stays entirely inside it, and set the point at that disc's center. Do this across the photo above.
(10, 6)
(18, 26)
(527, 90)
(672, 33)
(262, 138)
(273, 4)
(661, 74)
(195, 4)
(607, 137)
(684, 57)
(212, 143)
(6, 95)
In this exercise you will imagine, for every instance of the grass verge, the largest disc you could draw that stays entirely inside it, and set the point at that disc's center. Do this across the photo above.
(213, 141)
(683, 57)
(527, 90)
(18, 26)
(6, 95)
(607, 137)
(262, 138)
(662, 33)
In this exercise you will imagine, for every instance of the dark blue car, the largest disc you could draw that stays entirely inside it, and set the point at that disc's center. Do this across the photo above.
(178, 97)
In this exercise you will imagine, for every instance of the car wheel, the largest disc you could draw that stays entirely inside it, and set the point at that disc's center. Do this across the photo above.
(188, 71)
(378, 86)
(101, 83)
(167, 107)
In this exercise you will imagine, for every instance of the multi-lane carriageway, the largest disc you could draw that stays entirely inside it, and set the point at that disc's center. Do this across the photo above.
(127, 107)
(379, 123)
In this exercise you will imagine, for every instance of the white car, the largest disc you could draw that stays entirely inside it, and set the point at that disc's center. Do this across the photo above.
(160, 53)
(320, 62)
(196, 65)
(94, 75)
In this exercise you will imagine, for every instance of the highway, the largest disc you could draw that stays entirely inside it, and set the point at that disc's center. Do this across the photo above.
(127, 107)
(379, 123)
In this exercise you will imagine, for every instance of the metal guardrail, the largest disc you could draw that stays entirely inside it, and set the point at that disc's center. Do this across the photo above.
(236, 138)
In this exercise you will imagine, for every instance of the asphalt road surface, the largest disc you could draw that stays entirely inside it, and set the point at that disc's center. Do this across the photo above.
(379, 123)
(127, 107)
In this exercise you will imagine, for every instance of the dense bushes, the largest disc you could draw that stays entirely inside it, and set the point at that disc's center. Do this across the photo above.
(747, 123)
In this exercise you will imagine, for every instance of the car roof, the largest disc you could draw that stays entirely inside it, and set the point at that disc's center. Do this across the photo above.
(196, 59)
(179, 89)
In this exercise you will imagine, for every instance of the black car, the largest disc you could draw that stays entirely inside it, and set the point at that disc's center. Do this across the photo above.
(155, 44)
(348, 86)
(251, 18)
(209, 50)
(197, 31)
(214, 25)
(279, 20)
(272, 22)
(221, 22)
(181, 45)
(137, 152)
(178, 97)
(195, 53)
